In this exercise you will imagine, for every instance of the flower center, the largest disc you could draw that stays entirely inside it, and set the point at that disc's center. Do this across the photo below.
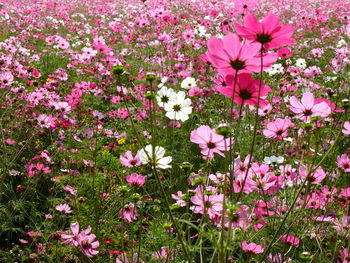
(177, 107)
(164, 99)
(211, 145)
(237, 64)
(307, 112)
(263, 38)
(245, 95)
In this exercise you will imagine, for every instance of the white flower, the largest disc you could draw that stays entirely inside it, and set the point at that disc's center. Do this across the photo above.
(188, 83)
(165, 95)
(301, 63)
(180, 108)
(146, 157)
(273, 159)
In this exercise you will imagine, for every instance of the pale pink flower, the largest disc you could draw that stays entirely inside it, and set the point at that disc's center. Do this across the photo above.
(70, 190)
(343, 162)
(346, 129)
(64, 208)
(129, 161)
(204, 203)
(306, 108)
(209, 141)
(277, 129)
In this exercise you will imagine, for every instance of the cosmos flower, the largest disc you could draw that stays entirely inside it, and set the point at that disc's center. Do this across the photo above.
(159, 160)
(229, 55)
(306, 108)
(180, 108)
(64, 208)
(129, 161)
(270, 32)
(246, 90)
(252, 247)
(209, 141)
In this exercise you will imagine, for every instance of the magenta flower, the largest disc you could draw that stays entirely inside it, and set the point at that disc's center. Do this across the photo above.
(306, 108)
(277, 129)
(252, 247)
(135, 179)
(209, 141)
(247, 90)
(129, 161)
(269, 32)
(230, 56)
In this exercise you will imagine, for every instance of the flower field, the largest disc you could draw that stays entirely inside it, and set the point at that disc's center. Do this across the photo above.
(175, 131)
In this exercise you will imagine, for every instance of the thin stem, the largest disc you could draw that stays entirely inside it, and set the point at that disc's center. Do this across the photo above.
(252, 146)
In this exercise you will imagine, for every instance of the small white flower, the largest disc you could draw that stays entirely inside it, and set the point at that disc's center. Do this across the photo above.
(165, 95)
(301, 63)
(188, 83)
(159, 160)
(273, 159)
(180, 108)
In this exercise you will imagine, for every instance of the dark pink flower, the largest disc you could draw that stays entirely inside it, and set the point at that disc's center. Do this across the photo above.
(269, 32)
(247, 90)
(230, 56)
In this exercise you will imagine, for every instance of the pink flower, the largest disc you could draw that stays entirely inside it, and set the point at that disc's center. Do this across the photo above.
(70, 190)
(128, 213)
(135, 179)
(209, 141)
(10, 141)
(179, 198)
(277, 129)
(306, 108)
(343, 162)
(64, 208)
(293, 240)
(87, 244)
(71, 239)
(269, 32)
(284, 52)
(129, 161)
(6, 79)
(346, 129)
(344, 253)
(252, 247)
(209, 202)
(229, 55)
(123, 258)
(246, 91)
(314, 178)
(82, 240)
